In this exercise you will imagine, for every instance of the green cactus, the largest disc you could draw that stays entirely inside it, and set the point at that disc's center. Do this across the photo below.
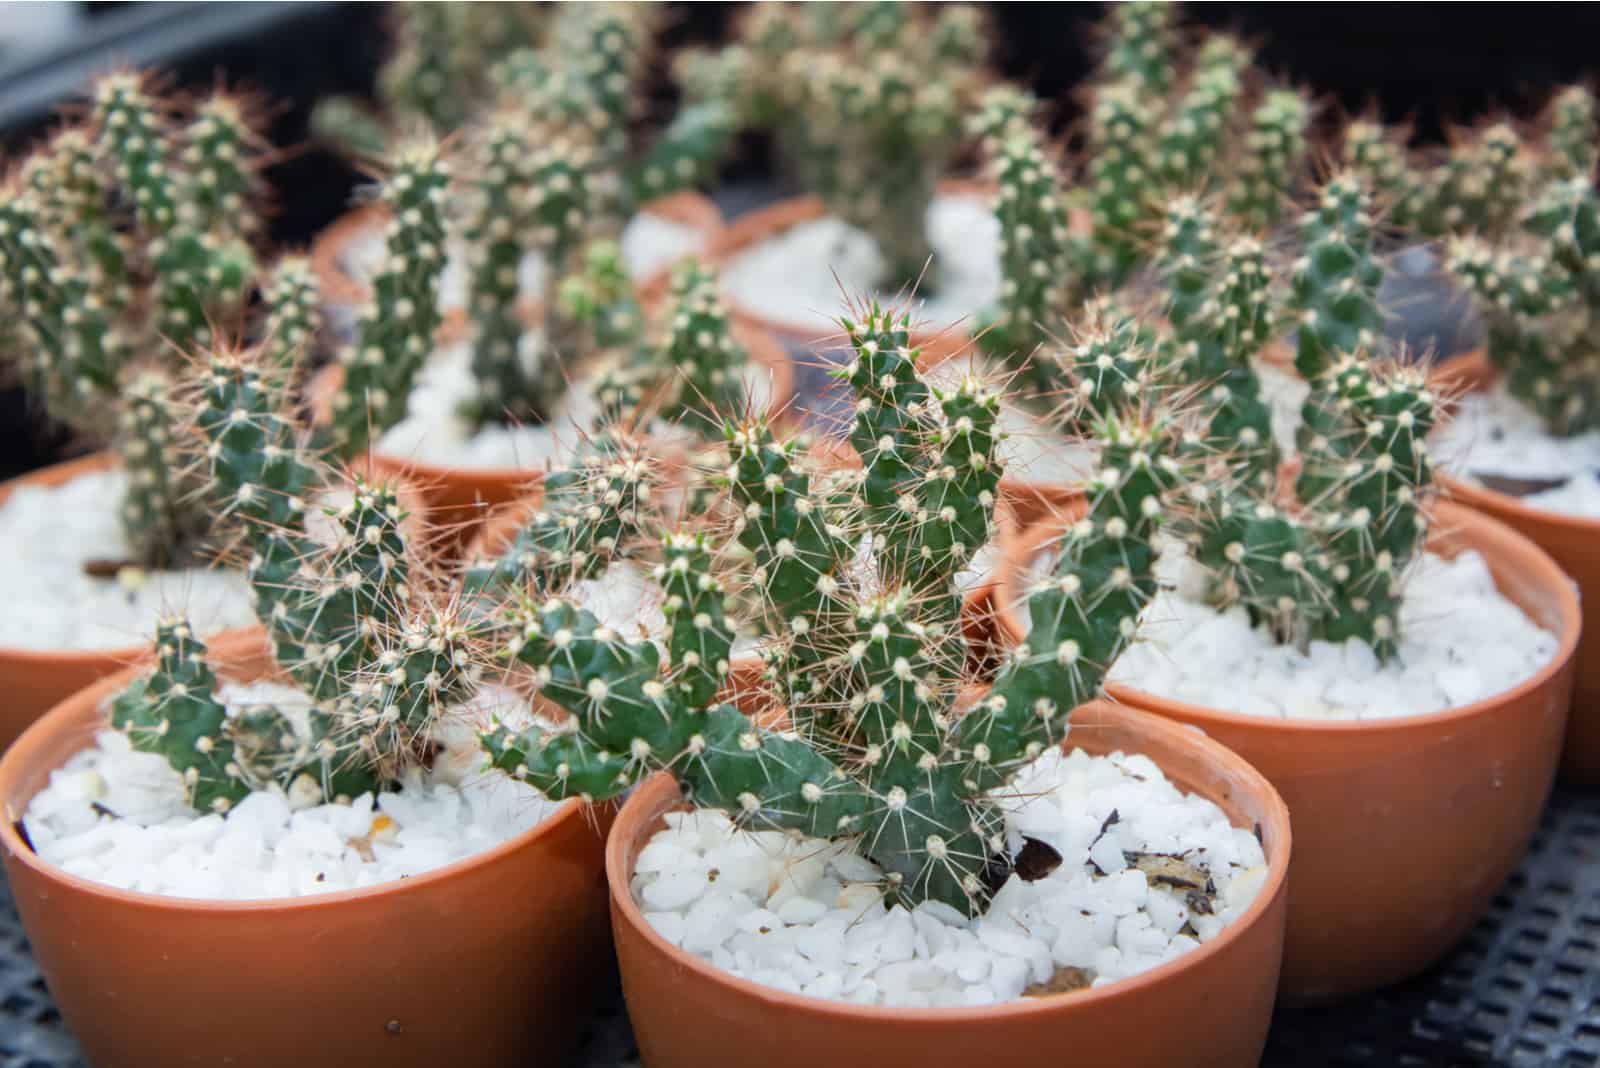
(1573, 123)
(76, 199)
(1220, 311)
(202, 267)
(394, 332)
(1274, 157)
(701, 353)
(1141, 46)
(1480, 186)
(1539, 291)
(1042, 262)
(1194, 137)
(1122, 174)
(160, 513)
(864, 663)
(294, 313)
(1331, 570)
(174, 713)
(1335, 281)
(1377, 156)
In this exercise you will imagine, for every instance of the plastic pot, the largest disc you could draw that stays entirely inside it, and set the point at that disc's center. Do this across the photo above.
(1574, 543)
(1406, 827)
(1211, 1006)
(491, 958)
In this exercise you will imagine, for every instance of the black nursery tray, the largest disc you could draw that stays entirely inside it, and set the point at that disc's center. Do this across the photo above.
(1521, 990)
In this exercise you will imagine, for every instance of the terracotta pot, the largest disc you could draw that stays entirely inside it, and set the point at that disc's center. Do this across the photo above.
(458, 498)
(33, 680)
(344, 292)
(1574, 543)
(489, 958)
(1406, 827)
(1212, 1006)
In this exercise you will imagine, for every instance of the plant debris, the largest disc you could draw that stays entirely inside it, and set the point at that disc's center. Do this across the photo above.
(1066, 979)
(1175, 873)
(1035, 860)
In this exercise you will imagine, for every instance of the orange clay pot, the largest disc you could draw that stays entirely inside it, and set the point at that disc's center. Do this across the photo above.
(458, 498)
(1574, 543)
(489, 958)
(1210, 1007)
(1406, 827)
(343, 292)
(35, 679)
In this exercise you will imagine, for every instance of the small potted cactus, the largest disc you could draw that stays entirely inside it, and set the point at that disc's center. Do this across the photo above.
(1525, 444)
(1399, 668)
(474, 418)
(124, 242)
(246, 825)
(867, 106)
(868, 754)
(552, 155)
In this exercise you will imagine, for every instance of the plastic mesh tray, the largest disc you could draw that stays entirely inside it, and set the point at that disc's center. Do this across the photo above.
(1520, 990)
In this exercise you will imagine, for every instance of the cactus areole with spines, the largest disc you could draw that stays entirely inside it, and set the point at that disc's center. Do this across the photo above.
(869, 667)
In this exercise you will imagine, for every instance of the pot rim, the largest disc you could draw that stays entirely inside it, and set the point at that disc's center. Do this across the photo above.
(48, 726)
(1275, 829)
(1449, 517)
(1476, 371)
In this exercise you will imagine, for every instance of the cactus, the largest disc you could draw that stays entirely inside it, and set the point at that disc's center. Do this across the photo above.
(160, 512)
(1331, 569)
(1377, 156)
(1573, 132)
(175, 714)
(1335, 279)
(1122, 174)
(1540, 293)
(1194, 136)
(203, 268)
(394, 332)
(1480, 186)
(878, 753)
(1221, 316)
(1141, 46)
(293, 307)
(705, 360)
(1275, 155)
(1042, 262)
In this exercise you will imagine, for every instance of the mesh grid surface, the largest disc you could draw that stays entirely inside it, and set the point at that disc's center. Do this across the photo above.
(1520, 991)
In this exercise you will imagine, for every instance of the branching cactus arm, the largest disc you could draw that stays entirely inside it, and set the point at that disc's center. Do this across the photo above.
(1334, 288)
(394, 333)
(1274, 155)
(1377, 157)
(1574, 133)
(1122, 128)
(77, 199)
(175, 713)
(294, 314)
(156, 513)
(1087, 612)
(1195, 135)
(701, 353)
(1142, 45)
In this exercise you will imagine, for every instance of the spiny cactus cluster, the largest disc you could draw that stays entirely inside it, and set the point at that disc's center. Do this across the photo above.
(437, 74)
(125, 243)
(1539, 290)
(1328, 563)
(356, 617)
(866, 659)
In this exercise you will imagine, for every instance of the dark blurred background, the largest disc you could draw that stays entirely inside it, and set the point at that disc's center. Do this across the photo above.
(1431, 64)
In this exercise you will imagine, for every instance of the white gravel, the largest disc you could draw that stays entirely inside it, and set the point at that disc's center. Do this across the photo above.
(435, 432)
(1461, 641)
(649, 243)
(802, 275)
(1494, 433)
(265, 848)
(1285, 394)
(47, 534)
(806, 915)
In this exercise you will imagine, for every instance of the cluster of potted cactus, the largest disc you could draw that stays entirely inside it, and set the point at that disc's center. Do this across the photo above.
(547, 611)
